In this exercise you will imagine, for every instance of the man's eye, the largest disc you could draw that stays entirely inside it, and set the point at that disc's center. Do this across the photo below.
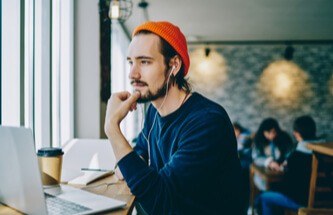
(144, 62)
(130, 63)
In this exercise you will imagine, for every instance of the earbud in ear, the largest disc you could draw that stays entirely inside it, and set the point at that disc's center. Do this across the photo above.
(172, 68)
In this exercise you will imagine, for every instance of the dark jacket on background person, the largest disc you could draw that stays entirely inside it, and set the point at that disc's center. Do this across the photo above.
(297, 177)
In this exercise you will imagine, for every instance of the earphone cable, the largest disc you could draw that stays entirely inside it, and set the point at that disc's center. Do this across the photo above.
(151, 128)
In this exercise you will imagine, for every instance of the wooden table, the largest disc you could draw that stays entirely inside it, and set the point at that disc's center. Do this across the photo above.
(267, 175)
(118, 191)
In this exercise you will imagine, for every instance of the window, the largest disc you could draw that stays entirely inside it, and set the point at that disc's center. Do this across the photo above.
(120, 81)
(37, 68)
(11, 93)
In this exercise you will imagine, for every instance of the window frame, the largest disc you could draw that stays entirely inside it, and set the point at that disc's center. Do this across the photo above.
(37, 68)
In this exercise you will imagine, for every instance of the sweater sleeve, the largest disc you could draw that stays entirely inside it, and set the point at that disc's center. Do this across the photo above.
(141, 147)
(206, 148)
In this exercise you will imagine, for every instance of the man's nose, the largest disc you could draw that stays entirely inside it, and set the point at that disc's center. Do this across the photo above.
(134, 73)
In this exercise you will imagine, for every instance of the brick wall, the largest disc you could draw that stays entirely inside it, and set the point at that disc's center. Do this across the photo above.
(236, 84)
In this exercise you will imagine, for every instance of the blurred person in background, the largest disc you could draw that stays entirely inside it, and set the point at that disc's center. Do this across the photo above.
(244, 148)
(294, 190)
(244, 143)
(271, 148)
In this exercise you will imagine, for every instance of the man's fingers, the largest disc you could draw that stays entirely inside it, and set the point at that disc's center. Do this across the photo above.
(136, 95)
(132, 99)
(127, 96)
(123, 95)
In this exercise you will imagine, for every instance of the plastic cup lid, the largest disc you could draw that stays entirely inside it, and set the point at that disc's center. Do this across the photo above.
(49, 152)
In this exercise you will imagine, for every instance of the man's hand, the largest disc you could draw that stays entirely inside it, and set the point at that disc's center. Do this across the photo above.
(118, 107)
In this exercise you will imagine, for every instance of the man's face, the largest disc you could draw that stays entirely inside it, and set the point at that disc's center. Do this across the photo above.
(147, 69)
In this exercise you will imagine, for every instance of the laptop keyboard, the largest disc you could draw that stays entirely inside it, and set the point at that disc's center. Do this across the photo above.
(57, 205)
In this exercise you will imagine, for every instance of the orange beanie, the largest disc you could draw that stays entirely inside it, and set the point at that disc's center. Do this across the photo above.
(172, 35)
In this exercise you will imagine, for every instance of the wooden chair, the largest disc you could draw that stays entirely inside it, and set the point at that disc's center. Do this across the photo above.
(321, 182)
(315, 211)
(321, 186)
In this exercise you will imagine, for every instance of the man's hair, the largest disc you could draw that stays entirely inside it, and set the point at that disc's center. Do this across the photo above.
(168, 53)
(306, 127)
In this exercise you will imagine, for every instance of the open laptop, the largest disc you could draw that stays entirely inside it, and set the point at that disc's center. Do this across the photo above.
(21, 185)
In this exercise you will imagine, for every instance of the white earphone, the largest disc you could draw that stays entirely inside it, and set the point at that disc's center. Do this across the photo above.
(147, 137)
(173, 68)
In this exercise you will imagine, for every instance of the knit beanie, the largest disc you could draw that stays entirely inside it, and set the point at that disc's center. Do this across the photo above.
(172, 35)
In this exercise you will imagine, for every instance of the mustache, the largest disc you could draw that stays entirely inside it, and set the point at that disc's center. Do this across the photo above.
(138, 82)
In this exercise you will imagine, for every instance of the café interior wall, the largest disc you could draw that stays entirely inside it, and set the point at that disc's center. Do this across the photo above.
(237, 84)
(87, 123)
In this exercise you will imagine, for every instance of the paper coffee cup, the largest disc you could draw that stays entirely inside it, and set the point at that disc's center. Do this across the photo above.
(50, 162)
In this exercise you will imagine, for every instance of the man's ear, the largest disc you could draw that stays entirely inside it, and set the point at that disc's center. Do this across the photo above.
(175, 63)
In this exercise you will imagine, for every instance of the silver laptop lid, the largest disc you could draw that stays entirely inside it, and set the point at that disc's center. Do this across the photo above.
(20, 184)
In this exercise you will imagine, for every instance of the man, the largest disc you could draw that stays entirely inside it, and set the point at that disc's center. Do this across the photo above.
(294, 191)
(185, 160)
(244, 147)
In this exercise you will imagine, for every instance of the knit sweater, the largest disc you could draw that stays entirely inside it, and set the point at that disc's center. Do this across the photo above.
(194, 164)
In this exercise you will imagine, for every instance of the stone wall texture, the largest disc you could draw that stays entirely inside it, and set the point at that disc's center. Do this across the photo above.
(237, 84)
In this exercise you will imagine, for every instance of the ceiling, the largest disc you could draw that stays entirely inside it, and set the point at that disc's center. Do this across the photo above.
(242, 20)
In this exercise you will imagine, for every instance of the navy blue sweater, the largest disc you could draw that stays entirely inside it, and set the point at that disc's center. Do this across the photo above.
(194, 164)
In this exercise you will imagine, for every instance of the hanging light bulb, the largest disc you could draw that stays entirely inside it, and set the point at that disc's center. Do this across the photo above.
(207, 52)
(143, 5)
(289, 52)
(120, 9)
(114, 11)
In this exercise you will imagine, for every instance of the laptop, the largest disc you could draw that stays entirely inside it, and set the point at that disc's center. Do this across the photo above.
(21, 185)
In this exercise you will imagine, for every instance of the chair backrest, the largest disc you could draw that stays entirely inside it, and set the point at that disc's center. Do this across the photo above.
(321, 183)
(315, 211)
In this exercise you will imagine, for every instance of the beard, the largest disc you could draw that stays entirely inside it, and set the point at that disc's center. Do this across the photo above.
(150, 96)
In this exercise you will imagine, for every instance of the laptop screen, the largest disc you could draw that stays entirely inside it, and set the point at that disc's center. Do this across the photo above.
(20, 185)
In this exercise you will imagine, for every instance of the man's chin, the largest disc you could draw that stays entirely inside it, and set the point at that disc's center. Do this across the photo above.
(143, 99)
(149, 97)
